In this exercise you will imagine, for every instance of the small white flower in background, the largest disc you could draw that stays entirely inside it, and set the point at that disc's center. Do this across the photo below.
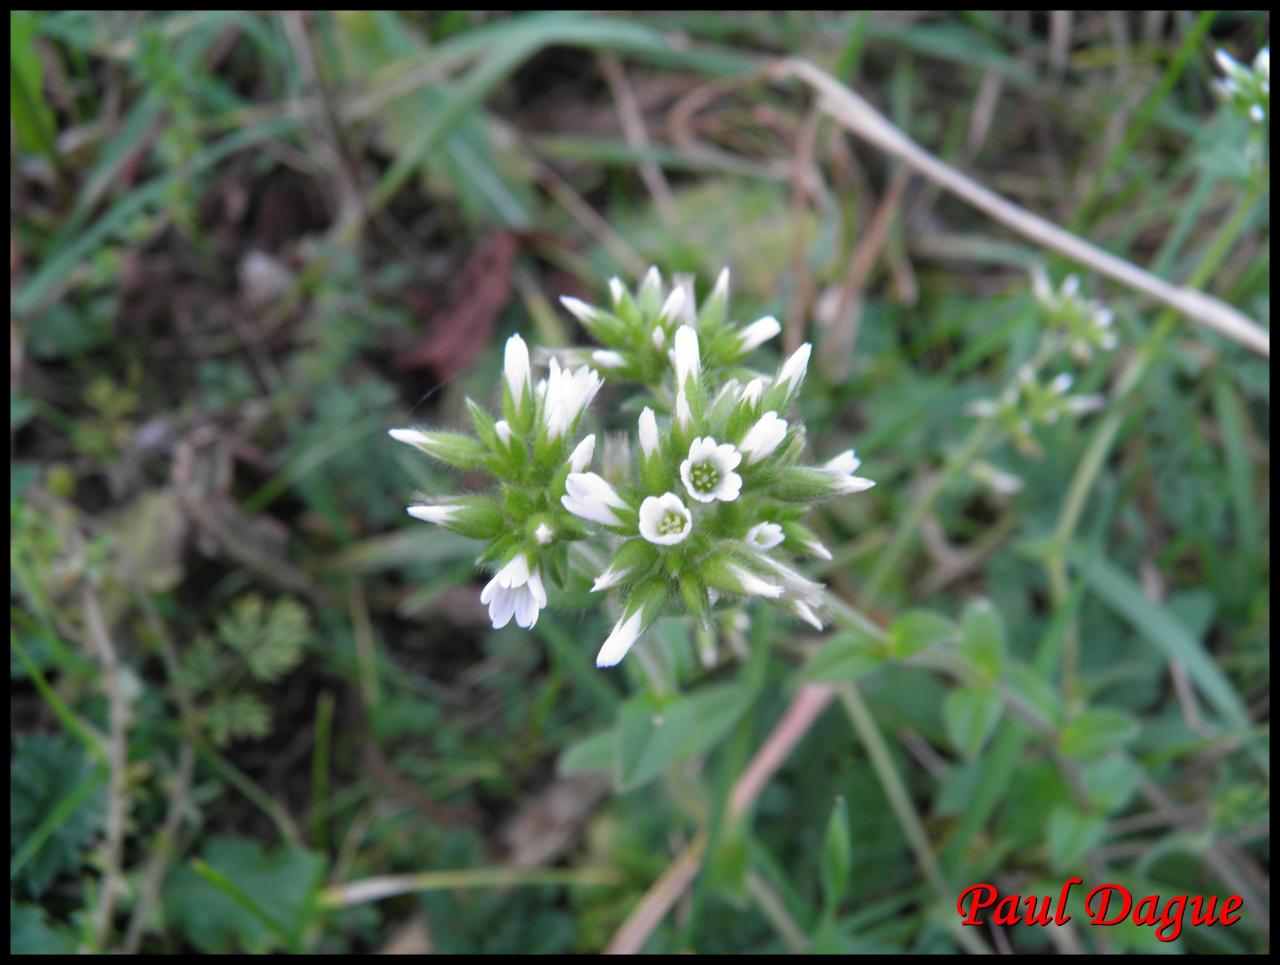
(1084, 325)
(610, 577)
(684, 417)
(544, 534)
(763, 438)
(794, 368)
(750, 396)
(515, 368)
(580, 458)
(517, 591)
(684, 356)
(1246, 89)
(805, 613)
(503, 429)
(1000, 482)
(664, 520)
(757, 333)
(587, 495)
(607, 359)
(566, 395)
(648, 433)
(751, 585)
(765, 536)
(708, 474)
(673, 308)
(844, 466)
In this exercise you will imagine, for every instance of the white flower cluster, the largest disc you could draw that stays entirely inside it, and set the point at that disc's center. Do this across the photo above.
(704, 512)
(1084, 325)
(1028, 403)
(1246, 89)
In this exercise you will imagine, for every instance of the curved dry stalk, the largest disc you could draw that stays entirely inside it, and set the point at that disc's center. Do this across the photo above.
(858, 116)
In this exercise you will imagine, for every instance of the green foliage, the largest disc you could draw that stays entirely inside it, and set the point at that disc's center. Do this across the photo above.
(1058, 625)
(280, 883)
(46, 772)
(255, 639)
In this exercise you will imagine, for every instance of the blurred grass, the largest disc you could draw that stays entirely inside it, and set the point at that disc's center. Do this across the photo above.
(229, 232)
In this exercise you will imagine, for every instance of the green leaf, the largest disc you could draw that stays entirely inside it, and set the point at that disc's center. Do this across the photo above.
(648, 738)
(50, 775)
(837, 855)
(1096, 731)
(1164, 632)
(653, 734)
(1027, 683)
(970, 716)
(1071, 835)
(714, 710)
(846, 656)
(594, 753)
(281, 883)
(982, 640)
(33, 120)
(1111, 782)
(918, 630)
(31, 932)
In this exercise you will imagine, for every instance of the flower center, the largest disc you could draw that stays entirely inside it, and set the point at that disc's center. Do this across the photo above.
(671, 524)
(705, 476)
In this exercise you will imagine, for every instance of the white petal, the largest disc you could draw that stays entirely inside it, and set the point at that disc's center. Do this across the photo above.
(515, 367)
(624, 635)
(580, 458)
(648, 432)
(757, 333)
(433, 514)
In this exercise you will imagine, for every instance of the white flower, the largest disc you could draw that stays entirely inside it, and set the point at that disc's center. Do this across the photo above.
(751, 585)
(817, 549)
(750, 396)
(617, 290)
(516, 591)
(607, 359)
(794, 369)
(846, 463)
(590, 497)
(515, 368)
(708, 474)
(659, 337)
(805, 613)
(664, 520)
(765, 536)
(721, 289)
(685, 355)
(843, 468)
(648, 433)
(683, 415)
(674, 305)
(503, 429)
(434, 514)
(981, 408)
(578, 308)
(544, 534)
(610, 577)
(1060, 383)
(763, 437)
(580, 458)
(757, 333)
(1080, 404)
(567, 394)
(1001, 483)
(625, 633)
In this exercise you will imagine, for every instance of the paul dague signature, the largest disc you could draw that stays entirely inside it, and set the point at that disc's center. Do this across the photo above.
(1106, 904)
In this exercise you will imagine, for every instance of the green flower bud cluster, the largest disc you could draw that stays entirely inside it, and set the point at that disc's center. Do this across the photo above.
(1080, 325)
(705, 506)
(1028, 403)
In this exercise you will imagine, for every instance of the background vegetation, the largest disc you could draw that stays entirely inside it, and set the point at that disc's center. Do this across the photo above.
(246, 688)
